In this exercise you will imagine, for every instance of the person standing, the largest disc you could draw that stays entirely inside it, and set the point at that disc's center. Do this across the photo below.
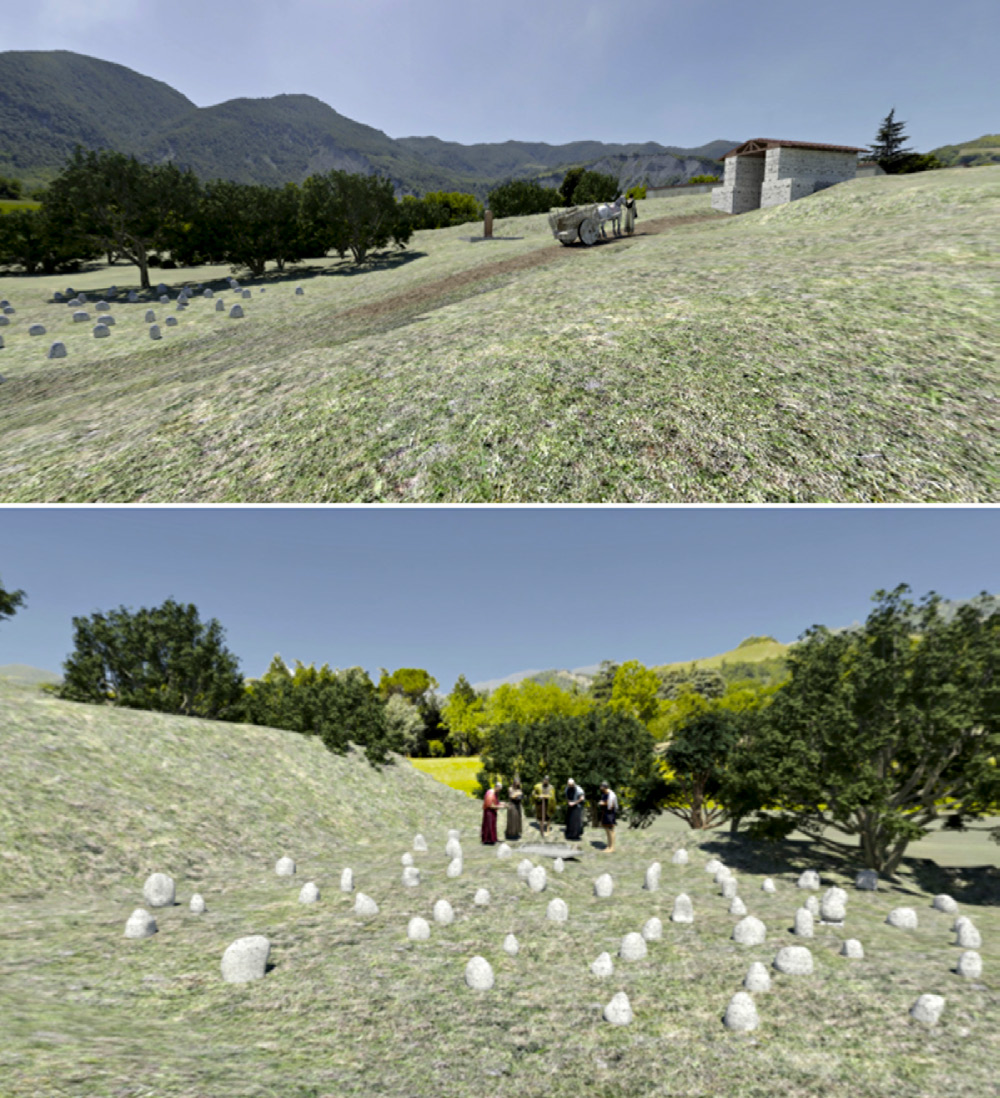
(608, 806)
(491, 802)
(544, 796)
(574, 814)
(514, 799)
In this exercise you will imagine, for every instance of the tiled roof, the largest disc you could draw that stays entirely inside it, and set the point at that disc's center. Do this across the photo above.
(761, 144)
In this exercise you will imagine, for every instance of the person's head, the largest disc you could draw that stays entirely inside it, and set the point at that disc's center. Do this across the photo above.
(498, 786)
(545, 780)
(604, 785)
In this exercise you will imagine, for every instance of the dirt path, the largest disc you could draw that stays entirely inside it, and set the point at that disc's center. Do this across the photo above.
(458, 285)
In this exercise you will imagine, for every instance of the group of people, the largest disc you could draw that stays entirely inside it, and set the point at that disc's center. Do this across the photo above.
(543, 797)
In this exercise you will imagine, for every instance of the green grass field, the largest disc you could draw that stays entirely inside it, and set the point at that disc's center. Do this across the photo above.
(92, 800)
(456, 773)
(840, 348)
(8, 204)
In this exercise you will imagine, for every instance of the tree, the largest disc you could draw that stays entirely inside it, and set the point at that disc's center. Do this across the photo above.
(11, 188)
(568, 185)
(531, 701)
(519, 197)
(164, 659)
(464, 715)
(9, 602)
(634, 691)
(404, 723)
(603, 682)
(595, 187)
(341, 707)
(122, 205)
(29, 240)
(882, 728)
(413, 683)
(888, 149)
(355, 213)
(708, 683)
(595, 746)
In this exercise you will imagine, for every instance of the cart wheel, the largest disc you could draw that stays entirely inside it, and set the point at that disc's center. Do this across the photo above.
(589, 232)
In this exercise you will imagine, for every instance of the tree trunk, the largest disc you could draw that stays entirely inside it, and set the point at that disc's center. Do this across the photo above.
(140, 254)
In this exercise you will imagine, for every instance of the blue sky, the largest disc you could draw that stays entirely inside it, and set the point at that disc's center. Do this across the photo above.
(483, 592)
(679, 72)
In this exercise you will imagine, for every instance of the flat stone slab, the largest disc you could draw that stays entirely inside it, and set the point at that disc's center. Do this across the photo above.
(550, 850)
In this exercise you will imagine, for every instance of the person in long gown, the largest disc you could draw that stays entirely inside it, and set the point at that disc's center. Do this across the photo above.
(491, 802)
(514, 799)
(544, 796)
(574, 814)
(609, 815)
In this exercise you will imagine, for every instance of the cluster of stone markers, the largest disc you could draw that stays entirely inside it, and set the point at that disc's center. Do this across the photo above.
(105, 319)
(246, 958)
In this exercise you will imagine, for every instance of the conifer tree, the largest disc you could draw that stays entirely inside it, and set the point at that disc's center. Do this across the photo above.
(888, 149)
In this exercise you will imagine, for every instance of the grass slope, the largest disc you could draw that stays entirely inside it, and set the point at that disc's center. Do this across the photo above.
(457, 772)
(840, 348)
(92, 800)
(749, 653)
(24, 673)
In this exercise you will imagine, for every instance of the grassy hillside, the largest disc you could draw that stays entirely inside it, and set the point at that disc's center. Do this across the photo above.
(984, 150)
(839, 348)
(457, 772)
(759, 650)
(23, 673)
(92, 800)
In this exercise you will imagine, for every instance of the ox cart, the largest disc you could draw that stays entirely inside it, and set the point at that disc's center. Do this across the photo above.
(586, 223)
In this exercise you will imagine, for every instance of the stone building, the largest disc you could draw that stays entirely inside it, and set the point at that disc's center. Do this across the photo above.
(764, 172)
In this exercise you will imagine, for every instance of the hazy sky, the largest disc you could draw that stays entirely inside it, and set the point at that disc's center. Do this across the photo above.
(679, 72)
(481, 591)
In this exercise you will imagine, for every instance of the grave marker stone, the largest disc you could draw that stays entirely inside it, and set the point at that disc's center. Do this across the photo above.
(768, 885)
(455, 867)
(794, 961)
(680, 857)
(853, 948)
(158, 891)
(809, 879)
(970, 965)
(150, 317)
(537, 879)
(504, 851)
(866, 880)
(284, 867)
(220, 305)
(36, 330)
(411, 876)
(365, 905)
(510, 945)
(140, 924)
(481, 898)
(619, 1011)
(683, 911)
(741, 1013)
(803, 923)
(652, 880)
(101, 331)
(728, 888)
(197, 904)
(57, 350)
(633, 947)
(479, 974)
(757, 978)
(603, 966)
(968, 937)
(444, 913)
(652, 930)
(236, 312)
(737, 907)
(246, 959)
(903, 917)
(309, 893)
(80, 316)
(347, 880)
(419, 844)
(558, 865)
(418, 929)
(171, 322)
(604, 886)
(557, 911)
(944, 902)
(927, 1009)
(749, 931)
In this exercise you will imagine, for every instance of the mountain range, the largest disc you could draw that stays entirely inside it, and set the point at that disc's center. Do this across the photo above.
(54, 99)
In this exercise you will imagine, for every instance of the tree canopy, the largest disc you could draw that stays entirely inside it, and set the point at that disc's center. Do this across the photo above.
(164, 659)
(9, 602)
(881, 729)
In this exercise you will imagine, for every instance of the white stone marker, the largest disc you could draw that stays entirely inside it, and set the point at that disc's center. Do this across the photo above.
(365, 905)
(853, 948)
(712, 866)
(481, 898)
(809, 879)
(728, 888)
(970, 965)
(538, 879)
(411, 876)
(803, 923)
(504, 851)
(454, 833)
(557, 911)
(927, 1009)
(968, 937)
(944, 902)
(604, 886)
(619, 1011)
(723, 873)
(347, 880)
(479, 974)
(419, 844)
(284, 867)
(246, 959)
(683, 911)
(741, 1014)
(407, 859)
(558, 865)
(455, 867)
(510, 945)
(812, 906)
(794, 961)
(652, 879)
(903, 917)
(633, 947)
(757, 978)
(680, 857)
(159, 891)
(833, 908)
(140, 924)
(418, 929)
(737, 907)
(749, 931)
(453, 848)
(197, 904)
(309, 893)
(444, 914)
(603, 966)
(652, 929)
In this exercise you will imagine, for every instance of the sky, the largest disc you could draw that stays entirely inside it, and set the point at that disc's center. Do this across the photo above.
(677, 72)
(483, 592)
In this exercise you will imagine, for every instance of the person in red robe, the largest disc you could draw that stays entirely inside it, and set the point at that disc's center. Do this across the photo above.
(491, 802)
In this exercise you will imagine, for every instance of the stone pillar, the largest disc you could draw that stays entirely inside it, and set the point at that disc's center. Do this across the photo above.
(488, 225)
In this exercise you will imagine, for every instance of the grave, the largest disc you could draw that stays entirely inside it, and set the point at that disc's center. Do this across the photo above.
(57, 350)
(479, 974)
(968, 937)
(524, 867)
(107, 320)
(3, 321)
(453, 848)
(418, 929)
(504, 851)
(411, 876)
(557, 911)
(903, 917)
(652, 929)
(133, 297)
(757, 978)
(537, 879)
(944, 902)
(481, 898)
(809, 879)
(299, 291)
(970, 965)
(749, 931)
(713, 865)
(102, 307)
(510, 945)
(197, 904)
(140, 924)
(419, 844)
(737, 907)
(407, 859)
(803, 923)
(728, 888)
(619, 1011)
(603, 966)
(812, 906)
(652, 879)
(444, 913)
(365, 905)
(680, 857)
(284, 867)
(171, 322)
(80, 316)
(604, 886)
(455, 867)
(154, 332)
(633, 947)
(150, 317)
(833, 908)
(683, 911)
(36, 330)
(927, 1009)
(347, 880)
(852, 948)
(220, 305)
(236, 312)
(794, 961)
(309, 893)
(246, 959)
(866, 880)
(158, 891)
(558, 865)
(741, 1013)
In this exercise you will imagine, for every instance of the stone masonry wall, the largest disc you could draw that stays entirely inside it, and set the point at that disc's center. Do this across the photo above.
(741, 188)
(792, 173)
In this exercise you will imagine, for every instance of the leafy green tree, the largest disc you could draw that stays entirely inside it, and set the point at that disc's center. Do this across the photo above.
(635, 691)
(464, 715)
(917, 162)
(703, 179)
(356, 213)
(881, 726)
(164, 659)
(413, 683)
(594, 746)
(519, 197)
(9, 602)
(29, 240)
(341, 707)
(122, 205)
(530, 701)
(637, 192)
(703, 680)
(603, 682)
(888, 149)
(595, 187)
(568, 185)
(11, 188)
(404, 723)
